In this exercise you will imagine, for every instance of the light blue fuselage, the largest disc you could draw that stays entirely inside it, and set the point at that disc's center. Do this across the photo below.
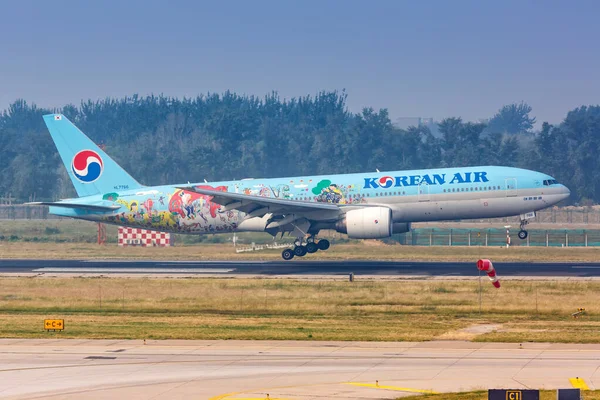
(413, 196)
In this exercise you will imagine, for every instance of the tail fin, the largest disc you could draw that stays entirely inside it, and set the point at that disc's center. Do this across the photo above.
(90, 169)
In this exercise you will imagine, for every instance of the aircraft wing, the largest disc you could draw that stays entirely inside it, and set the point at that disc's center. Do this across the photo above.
(79, 206)
(258, 206)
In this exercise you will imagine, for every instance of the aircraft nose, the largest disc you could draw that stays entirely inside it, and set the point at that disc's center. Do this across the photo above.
(565, 192)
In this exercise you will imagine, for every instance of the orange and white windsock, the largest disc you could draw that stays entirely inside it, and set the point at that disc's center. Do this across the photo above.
(487, 267)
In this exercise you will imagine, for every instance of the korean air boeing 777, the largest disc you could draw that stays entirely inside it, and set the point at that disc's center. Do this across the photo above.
(365, 205)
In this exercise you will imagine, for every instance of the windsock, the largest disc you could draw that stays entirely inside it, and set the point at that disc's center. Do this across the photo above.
(487, 267)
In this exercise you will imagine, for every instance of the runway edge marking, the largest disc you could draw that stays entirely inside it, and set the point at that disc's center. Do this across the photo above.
(387, 387)
(579, 383)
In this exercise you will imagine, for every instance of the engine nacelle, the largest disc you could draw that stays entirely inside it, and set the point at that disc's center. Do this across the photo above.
(367, 223)
(401, 227)
(255, 224)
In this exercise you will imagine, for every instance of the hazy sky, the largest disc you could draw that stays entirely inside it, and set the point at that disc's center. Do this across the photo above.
(416, 58)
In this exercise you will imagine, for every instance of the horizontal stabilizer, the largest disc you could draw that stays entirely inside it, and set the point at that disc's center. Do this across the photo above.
(79, 206)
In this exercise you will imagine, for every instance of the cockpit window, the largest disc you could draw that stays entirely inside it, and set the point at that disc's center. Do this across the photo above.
(549, 182)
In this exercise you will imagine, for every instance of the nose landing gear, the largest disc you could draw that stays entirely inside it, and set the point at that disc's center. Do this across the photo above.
(523, 233)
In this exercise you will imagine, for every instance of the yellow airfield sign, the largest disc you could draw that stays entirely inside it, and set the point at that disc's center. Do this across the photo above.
(54, 324)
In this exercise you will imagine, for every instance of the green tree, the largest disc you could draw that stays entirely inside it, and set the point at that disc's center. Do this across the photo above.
(512, 119)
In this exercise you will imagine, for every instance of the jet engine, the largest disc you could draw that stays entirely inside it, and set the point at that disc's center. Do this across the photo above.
(366, 223)
(401, 227)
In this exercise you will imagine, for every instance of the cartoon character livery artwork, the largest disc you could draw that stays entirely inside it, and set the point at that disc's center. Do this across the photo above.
(363, 205)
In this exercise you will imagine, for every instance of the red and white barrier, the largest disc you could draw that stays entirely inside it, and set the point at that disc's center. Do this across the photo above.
(487, 267)
(143, 237)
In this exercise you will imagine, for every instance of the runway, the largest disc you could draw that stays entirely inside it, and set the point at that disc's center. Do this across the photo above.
(227, 370)
(293, 268)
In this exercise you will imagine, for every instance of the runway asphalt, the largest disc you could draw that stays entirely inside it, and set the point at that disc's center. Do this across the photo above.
(229, 370)
(300, 268)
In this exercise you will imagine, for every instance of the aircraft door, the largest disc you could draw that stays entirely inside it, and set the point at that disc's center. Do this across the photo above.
(510, 187)
(423, 194)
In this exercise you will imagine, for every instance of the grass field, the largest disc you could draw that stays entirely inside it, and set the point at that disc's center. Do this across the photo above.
(483, 395)
(367, 250)
(68, 238)
(204, 308)
(69, 230)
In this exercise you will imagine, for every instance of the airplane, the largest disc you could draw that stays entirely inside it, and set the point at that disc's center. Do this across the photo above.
(368, 205)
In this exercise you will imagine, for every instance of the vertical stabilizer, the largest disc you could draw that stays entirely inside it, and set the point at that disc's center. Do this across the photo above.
(90, 169)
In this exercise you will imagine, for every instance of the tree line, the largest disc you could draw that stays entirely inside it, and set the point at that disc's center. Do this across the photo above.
(161, 139)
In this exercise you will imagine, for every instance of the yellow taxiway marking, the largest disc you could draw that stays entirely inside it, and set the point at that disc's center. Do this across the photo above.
(386, 387)
(579, 383)
(229, 396)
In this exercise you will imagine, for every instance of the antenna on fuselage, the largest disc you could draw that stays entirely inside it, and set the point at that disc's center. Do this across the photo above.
(205, 181)
(377, 170)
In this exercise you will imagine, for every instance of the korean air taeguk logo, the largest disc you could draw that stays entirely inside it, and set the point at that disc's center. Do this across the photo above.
(386, 182)
(87, 166)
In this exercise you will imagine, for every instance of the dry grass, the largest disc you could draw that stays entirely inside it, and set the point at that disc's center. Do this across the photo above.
(195, 308)
(354, 251)
(483, 395)
(69, 238)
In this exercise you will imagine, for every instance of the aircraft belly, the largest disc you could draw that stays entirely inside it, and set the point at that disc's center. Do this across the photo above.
(488, 207)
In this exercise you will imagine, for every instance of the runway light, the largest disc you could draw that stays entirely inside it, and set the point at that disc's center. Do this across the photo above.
(486, 266)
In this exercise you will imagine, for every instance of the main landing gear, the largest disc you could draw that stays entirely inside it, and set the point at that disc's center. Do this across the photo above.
(523, 233)
(301, 250)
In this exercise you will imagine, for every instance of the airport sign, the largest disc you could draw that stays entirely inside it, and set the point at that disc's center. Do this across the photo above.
(54, 324)
(513, 394)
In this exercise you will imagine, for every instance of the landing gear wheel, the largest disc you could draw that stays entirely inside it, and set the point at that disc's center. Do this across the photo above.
(523, 235)
(287, 254)
(312, 247)
(300, 251)
(323, 244)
